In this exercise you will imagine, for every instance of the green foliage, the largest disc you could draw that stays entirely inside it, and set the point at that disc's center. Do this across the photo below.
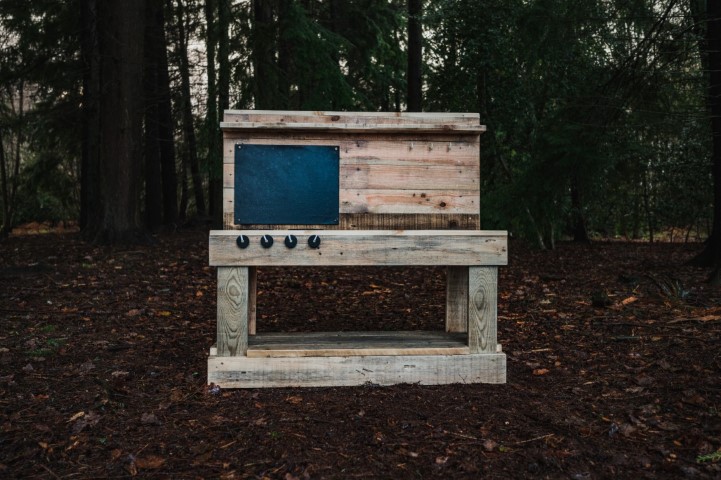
(594, 109)
(709, 457)
(40, 80)
(598, 98)
(46, 190)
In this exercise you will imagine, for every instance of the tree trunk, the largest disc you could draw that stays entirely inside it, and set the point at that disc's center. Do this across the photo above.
(216, 165)
(120, 33)
(5, 226)
(183, 209)
(415, 56)
(90, 198)
(153, 185)
(166, 137)
(285, 54)
(9, 183)
(263, 41)
(186, 110)
(578, 221)
(647, 206)
(212, 128)
(711, 256)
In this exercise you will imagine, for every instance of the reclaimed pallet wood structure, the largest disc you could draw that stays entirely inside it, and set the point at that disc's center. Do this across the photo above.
(407, 194)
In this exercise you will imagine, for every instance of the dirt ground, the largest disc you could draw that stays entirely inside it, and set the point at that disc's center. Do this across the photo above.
(613, 369)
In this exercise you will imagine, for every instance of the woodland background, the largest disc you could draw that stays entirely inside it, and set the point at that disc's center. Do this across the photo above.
(603, 116)
(603, 121)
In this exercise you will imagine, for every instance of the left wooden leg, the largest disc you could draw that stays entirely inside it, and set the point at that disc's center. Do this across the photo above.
(232, 334)
(456, 299)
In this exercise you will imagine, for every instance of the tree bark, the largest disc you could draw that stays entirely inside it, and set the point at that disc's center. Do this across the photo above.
(713, 99)
(90, 199)
(153, 184)
(166, 137)
(212, 130)
(285, 54)
(216, 159)
(711, 53)
(191, 143)
(415, 56)
(120, 28)
(5, 226)
(578, 220)
(263, 41)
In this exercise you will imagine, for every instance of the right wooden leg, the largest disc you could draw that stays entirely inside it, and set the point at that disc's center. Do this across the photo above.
(252, 299)
(482, 309)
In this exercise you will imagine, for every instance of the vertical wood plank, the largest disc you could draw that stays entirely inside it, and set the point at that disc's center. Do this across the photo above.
(252, 299)
(482, 309)
(456, 299)
(232, 311)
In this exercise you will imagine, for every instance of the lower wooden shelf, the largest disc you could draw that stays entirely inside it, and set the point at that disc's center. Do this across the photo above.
(348, 344)
(355, 358)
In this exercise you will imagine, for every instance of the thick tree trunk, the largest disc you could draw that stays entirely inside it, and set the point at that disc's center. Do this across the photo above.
(711, 256)
(153, 185)
(285, 54)
(263, 41)
(713, 40)
(415, 56)
(90, 199)
(120, 33)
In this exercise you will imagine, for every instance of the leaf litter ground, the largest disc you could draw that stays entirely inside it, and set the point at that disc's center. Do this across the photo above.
(613, 369)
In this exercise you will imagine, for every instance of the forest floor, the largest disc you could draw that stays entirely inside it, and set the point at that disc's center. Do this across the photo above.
(614, 369)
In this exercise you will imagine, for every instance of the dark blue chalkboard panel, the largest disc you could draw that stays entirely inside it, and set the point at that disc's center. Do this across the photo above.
(286, 184)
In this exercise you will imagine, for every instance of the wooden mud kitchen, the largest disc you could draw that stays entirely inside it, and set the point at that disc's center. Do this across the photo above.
(348, 189)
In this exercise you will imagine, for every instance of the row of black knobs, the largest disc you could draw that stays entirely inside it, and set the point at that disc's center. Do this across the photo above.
(266, 241)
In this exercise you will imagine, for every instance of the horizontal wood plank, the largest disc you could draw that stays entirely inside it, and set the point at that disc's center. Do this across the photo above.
(414, 152)
(246, 372)
(289, 116)
(376, 221)
(370, 126)
(393, 201)
(407, 201)
(329, 344)
(363, 247)
(464, 178)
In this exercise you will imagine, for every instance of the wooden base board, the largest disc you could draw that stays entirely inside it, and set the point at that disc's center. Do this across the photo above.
(246, 372)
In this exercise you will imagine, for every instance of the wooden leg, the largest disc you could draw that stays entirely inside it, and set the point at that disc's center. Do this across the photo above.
(482, 309)
(456, 299)
(252, 299)
(232, 311)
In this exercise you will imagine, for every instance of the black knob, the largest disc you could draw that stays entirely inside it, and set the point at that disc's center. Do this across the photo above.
(291, 241)
(242, 241)
(266, 241)
(314, 241)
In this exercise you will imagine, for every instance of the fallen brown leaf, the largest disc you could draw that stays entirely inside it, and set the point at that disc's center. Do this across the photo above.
(150, 462)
